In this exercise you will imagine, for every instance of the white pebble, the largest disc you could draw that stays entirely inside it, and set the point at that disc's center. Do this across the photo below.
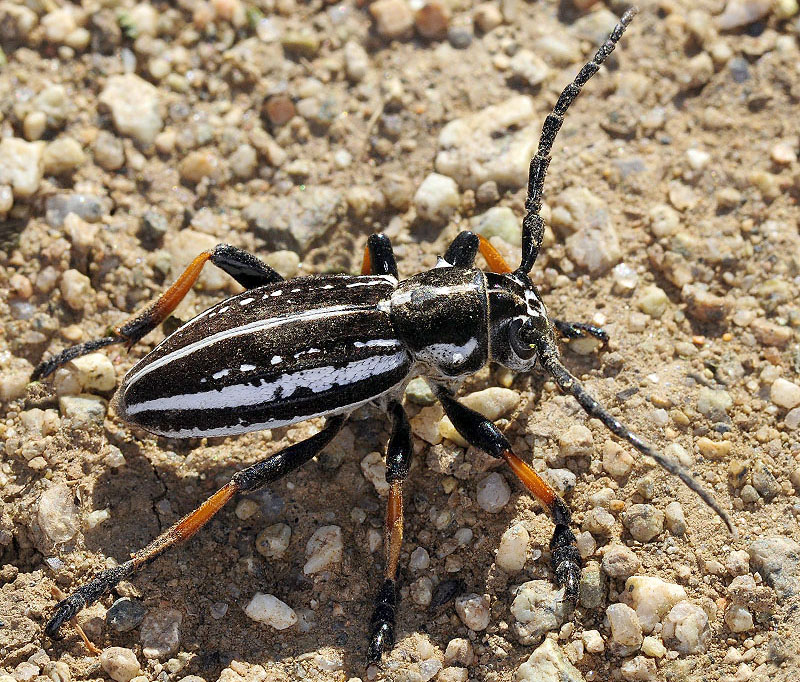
(323, 550)
(437, 198)
(738, 618)
(538, 608)
(513, 548)
(373, 466)
(473, 610)
(698, 159)
(625, 627)
(686, 629)
(95, 372)
(121, 664)
(57, 514)
(493, 493)
(21, 165)
(785, 393)
(266, 608)
(652, 598)
(419, 560)
(76, 289)
(134, 107)
(593, 642)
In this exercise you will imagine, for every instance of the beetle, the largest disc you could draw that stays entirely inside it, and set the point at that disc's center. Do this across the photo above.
(321, 346)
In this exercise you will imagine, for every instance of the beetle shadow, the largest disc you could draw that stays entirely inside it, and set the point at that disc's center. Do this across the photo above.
(213, 576)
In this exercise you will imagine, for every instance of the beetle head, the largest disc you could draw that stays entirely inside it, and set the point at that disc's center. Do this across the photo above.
(517, 316)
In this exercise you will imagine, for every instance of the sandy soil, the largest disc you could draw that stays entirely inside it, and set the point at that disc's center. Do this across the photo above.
(677, 86)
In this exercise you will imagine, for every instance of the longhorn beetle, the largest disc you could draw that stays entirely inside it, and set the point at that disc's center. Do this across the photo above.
(285, 351)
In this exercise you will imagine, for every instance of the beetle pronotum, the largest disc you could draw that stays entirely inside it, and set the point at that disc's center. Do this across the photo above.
(286, 351)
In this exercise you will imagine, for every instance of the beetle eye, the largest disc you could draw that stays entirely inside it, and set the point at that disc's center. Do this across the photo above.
(518, 336)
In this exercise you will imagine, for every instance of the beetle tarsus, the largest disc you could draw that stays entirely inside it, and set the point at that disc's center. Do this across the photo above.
(566, 562)
(382, 622)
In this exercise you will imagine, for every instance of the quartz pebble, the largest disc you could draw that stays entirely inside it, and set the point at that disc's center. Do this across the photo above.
(493, 493)
(626, 631)
(738, 618)
(393, 18)
(686, 629)
(323, 549)
(785, 393)
(643, 521)
(473, 610)
(498, 221)
(356, 61)
(160, 633)
(653, 301)
(83, 409)
(620, 561)
(373, 466)
(576, 441)
(421, 591)
(273, 541)
(76, 288)
(265, 608)
(617, 461)
(529, 68)
(494, 144)
(548, 664)
(513, 548)
(57, 514)
(119, 663)
(419, 559)
(487, 16)
(738, 13)
(593, 642)
(639, 669)
(21, 165)
(537, 608)
(63, 156)
(675, 520)
(437, 198)
(652, 598)
(459, 651)
(598, 521)
(94, 372)
(134, 107)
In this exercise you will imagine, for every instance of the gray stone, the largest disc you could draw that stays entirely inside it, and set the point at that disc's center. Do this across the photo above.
(88, 207)
(643, 521)
(592, 591)
(294, 221)
(160, 634)
(777, 559)
(125, 614)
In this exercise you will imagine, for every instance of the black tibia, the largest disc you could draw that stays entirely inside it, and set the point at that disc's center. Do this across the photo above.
(576, 330)
(252, 478)
(381, 255)
(398, 462)
(474, 427)
(482, 433)
(293, 457)
(245, 268)
(462, 250)
(548, 356)
(51, 365)
(532, 224)
(382, 622)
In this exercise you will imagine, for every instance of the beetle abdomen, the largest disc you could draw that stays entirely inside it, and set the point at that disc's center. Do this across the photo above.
(269, 357)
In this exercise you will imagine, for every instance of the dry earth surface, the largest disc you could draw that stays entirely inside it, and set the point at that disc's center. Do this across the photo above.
(134, 136)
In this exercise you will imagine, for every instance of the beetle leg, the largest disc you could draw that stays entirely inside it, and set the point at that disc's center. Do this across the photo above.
(398, 461)
(576, 330)
(245, 268)
(246, 480)
(482, 433)
(492, 256)
(461, 252)
(379, 257)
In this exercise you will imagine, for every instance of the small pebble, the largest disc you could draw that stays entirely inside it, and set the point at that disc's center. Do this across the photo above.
(76, 288)
(625, 278)
(134, 105)
(493, 403)
(419, 392)
(537, 608)
(513, 548)
(419, 560)
(652, 598)
(393, 18)
(592, 593)
(548, 664)
(598, 521)
(617, 461)
(493, 493)
(576, 441)
(421, 591)
(639, 669)
(777, 559)
(94, 372)
(57, 513)
(160, 632)
(373, 466)
(643, 521)
(437, 198)
(653, 301)
(21, 165)
(675, 520)
(714, 449)
(652, 646)
(356, 61)
(686, 629)
(738, 618)
(473, 610)
(626, 631)
(63, 156)
(487, 16)
(459, 651)
(125, 614)
(620, 561)
(664, 220)
(498, 221)
(323, 549)
(785, 393)
(119, 663)
(83, 409)
(265, 608)
(528, 67)
(586, 544)
(432, 19)
(593, 642)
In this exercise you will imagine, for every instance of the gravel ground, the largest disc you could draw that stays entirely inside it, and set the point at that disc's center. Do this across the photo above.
(134, 136)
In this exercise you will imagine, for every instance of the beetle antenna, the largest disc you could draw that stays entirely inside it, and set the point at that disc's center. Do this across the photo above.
(532, 224)
(548, 356)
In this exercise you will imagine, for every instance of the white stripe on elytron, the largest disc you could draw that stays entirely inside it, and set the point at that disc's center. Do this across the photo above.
(380, 343)
(258, 325)
(318, 379)
(237, 429)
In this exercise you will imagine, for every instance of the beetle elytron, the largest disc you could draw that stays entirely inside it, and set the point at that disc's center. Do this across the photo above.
(286, 351)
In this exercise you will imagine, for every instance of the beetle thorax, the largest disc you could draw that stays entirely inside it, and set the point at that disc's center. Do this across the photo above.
(442, 317)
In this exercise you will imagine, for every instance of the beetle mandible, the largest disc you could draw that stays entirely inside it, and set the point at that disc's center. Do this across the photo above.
(286, 351)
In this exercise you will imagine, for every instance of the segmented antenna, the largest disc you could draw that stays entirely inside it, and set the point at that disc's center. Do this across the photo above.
(532, 224)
